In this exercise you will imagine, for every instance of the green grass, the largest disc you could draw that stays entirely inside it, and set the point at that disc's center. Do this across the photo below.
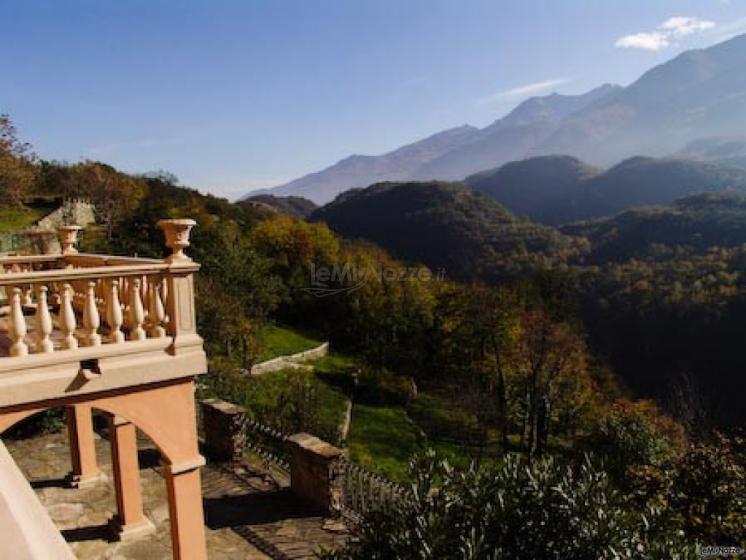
(274, 398)
(382, 439)
(14, 219)
(277, 341)
(441, 418)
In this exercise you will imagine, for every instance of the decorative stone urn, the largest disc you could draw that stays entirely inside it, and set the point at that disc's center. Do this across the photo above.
(68, 236)
(177, 237)
(40, 239)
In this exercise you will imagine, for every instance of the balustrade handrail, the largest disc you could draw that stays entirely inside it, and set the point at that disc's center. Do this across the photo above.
(89, 273)
(83, 258)
(29, 259)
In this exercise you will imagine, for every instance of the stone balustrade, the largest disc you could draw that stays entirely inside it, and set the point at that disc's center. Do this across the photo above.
(73, 307)
(63, 302)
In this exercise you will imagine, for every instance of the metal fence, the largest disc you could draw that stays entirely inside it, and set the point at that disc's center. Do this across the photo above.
(364, 492)
(361, 491)
(268, 443)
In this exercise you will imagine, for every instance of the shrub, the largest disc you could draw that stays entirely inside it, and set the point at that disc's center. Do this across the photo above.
(517, 511)
(634, 435)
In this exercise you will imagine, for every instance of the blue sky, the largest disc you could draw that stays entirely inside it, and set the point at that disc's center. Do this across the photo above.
(237, 95)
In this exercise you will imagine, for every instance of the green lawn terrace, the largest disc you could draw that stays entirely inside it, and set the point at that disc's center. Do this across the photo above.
(378, 417)
(275, 341)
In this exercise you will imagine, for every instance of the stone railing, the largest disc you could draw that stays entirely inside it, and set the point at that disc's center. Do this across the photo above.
(319, 472)
(71, 305)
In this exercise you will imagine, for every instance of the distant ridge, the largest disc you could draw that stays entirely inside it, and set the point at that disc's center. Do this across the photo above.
(670, 110)
(561, 189)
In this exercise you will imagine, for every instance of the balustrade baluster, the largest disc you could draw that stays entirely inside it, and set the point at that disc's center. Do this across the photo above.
(164, 299)
(114, 313)
(43, 321)
(137, 312)
(17, 326)
(27, 301)
(67, 318)
(157, 311)
(91, 318)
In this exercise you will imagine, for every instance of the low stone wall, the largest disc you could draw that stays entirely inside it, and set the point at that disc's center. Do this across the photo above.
(76, 212)
(224, 429)
(293, 361)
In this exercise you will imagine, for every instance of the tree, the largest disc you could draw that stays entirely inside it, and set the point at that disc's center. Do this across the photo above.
(17, 171)
(113, 194)
(551, 378)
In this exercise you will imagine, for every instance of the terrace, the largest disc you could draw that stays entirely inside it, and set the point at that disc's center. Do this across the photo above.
(116, 335)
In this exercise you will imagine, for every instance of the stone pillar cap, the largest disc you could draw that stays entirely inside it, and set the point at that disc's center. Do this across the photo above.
(315, 445)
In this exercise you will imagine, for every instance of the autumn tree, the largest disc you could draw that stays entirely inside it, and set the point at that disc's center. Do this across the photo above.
(551, 377)
(17, 171)
(113, 194)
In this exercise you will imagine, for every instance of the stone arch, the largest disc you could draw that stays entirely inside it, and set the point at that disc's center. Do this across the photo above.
(165, 413)
(10, 419)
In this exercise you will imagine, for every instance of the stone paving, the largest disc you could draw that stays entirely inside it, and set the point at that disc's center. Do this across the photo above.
(249, 513)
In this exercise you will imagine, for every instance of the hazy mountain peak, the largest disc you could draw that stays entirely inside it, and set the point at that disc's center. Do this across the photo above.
(698, 94)
(554, 106)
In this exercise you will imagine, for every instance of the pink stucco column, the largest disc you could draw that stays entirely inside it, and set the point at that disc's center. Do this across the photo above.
(85, 470)
(130, 519)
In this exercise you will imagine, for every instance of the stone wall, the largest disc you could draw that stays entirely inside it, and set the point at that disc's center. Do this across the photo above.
(72, 212)
(293, 361)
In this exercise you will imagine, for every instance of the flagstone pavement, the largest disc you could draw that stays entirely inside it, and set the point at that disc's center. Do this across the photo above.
(250, 513)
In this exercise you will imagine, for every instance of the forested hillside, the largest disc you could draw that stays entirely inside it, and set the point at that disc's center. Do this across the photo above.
(561, 189)
(448, 227)
(293, 205)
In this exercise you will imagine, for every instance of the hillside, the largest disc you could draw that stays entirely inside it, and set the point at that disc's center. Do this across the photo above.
(728, 150)
(694, 224)
(513, 136)
(562, 189)
(698, 94)
(293, 205)
(448, 227)
(534, 187)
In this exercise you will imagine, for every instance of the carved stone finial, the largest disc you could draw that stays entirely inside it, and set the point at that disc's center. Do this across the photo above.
(177, 237)
(68, 236)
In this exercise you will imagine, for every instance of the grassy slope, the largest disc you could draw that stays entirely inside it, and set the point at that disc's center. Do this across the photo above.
(281, 341)
(382, 438)
(13, 219)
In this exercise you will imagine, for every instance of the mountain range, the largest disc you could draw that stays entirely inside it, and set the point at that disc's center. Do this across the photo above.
(691, 106)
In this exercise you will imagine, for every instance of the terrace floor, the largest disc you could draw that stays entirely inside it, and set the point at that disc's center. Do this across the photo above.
(249, 513)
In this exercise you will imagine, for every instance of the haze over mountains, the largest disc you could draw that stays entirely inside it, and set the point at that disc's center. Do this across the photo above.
(692, 106)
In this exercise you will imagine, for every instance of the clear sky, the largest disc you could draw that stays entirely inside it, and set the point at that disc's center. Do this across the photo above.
(235, 95)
